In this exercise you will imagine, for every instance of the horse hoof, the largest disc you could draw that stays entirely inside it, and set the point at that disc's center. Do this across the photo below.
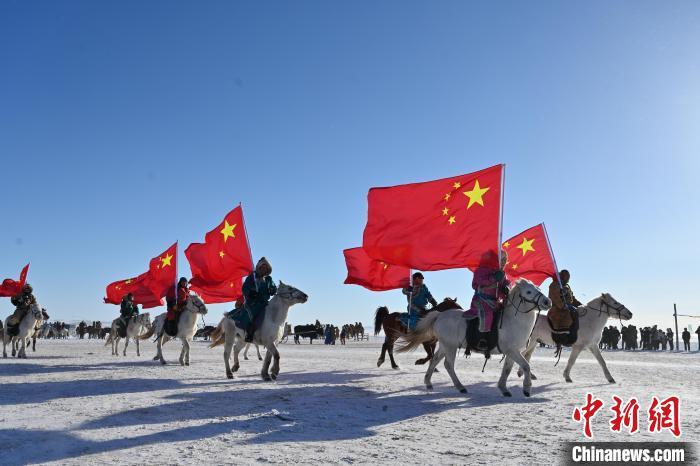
(229, 375)
(245, 358)
(429, 387)
(260, 359)
(155, 358)
(464, 390)
(520, 373)
(395, 367)
(187, 364)
(380, 362)
(267, 378)
(533, 376)
(273, 376)
(507, 394)
(526, 393)
(162, 361)
(568, 379)
(611, 380)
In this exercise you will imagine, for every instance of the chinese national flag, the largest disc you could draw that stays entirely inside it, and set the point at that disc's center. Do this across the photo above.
(10, 287)
(529, 256)
(373, 274)
(149, 287)
(221, 261)
(437, 225)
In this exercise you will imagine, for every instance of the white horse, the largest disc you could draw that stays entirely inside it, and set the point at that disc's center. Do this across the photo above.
(134, 328)
(269, 333)
(592, 318)
(450, 328)
(186, 328)
(26, 328)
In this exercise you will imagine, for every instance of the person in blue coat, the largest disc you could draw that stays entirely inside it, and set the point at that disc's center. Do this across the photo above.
(258, 289)
(418, 296)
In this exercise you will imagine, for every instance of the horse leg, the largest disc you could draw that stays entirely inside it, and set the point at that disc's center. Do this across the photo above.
(437, 357)
(187, 357)
(380, 361)
(527, 354)
(516, 357)
(596, 352)
(138, 351)
(183, 352)
(450, 355)
(23, 350)
(391, 355)
(4, 347)
(237, 349)
(575, 351)
(274, 372)
(429, 347)
(257, 349)
(266, 365)
(34, 344)
(160, 349)
(245, 351)
(228, 344)
(126, 344)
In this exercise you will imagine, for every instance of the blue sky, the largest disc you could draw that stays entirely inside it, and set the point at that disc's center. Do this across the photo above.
(125, 126)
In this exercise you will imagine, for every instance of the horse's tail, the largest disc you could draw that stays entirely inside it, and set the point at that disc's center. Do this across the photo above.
(218, 336)
(109, 340)
(148, 334)
(423, 332)
(379, 317)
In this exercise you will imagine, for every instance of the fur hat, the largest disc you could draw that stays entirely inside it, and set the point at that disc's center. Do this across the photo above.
(263, 267)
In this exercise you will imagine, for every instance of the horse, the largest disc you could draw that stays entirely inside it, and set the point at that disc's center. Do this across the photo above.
(133, 330)
(186, 328)
(592, 319)
(269, 333)
(450, 328)
(394, 328)
(309, 331)
(26, 328)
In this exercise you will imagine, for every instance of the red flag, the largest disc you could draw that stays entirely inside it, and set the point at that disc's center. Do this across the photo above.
(221, 261)
(529, 256)
(10, 287)
(149, 287)
(373, 274)
(436, 225)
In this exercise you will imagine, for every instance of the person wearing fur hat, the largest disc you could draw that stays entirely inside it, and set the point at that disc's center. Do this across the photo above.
(22, 302)
(490, 291)
(258, 289)
(418, 296)
(175, 303)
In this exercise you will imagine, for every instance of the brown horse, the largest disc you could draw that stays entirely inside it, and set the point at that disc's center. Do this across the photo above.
(394, 329)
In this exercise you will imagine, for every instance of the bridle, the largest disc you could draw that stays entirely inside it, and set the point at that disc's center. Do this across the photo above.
(535, 303)
(606, 305)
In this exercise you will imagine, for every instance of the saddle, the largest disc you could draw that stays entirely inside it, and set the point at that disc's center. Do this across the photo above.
(241, 317)
(566, 336)
(474, 336)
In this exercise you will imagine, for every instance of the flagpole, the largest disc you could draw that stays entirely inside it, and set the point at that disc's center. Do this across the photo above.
(250, 251)
(176, 270)
(551, 254)
(500, 220)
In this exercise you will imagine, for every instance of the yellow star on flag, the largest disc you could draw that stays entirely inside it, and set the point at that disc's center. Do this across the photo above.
(514, 266)
(476, 195)
(445, 211)
(231, 285)
(526, 246)
(222, 254)
(452, 220)
(506, 244)
(447, 197)
(457, 185)
(227, 230)
(128, 281)
(166, 260)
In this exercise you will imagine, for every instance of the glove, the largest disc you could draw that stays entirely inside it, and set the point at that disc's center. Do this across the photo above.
(499, 275)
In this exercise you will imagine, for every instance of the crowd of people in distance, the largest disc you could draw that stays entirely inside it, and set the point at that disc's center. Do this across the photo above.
(648, 338)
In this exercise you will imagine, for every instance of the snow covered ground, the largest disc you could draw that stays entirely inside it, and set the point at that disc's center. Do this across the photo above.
(73, 403)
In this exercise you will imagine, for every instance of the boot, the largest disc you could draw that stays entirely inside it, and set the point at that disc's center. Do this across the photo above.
(250, 333)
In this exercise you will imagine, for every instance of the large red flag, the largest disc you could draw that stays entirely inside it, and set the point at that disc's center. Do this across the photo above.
(373, 274)
(10, 287)
(221, 261)
(436, 225)
(149, 287)
(529, 256)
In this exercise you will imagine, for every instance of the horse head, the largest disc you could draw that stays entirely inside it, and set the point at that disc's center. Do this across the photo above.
(35, 311)
(609, 305)
(195, 304)
(290, 294)
(447, 303)
(144, 319)
(526, 292)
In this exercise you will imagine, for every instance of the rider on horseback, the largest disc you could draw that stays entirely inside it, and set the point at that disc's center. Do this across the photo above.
(127, 310)
(176, 302)
(22, 302)
(258, 288)
(562, 315)
(418, 297)
(490, 291)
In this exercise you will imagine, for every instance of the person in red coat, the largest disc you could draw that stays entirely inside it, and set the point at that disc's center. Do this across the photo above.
(490, 291)
(175, 306)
